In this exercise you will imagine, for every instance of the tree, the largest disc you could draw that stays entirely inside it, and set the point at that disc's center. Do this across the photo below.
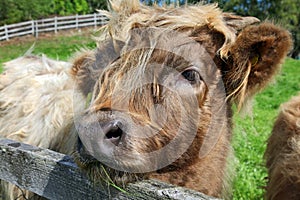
(161, 2)
(12, 11)
(69, 7)
(97, 4)
(286, 13)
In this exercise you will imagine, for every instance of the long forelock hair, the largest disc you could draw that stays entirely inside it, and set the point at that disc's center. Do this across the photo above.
(126, 15)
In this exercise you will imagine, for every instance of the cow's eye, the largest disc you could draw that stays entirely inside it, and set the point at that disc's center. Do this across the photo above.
(191, 75)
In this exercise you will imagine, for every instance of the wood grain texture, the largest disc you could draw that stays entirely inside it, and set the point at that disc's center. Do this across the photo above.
(56, 176)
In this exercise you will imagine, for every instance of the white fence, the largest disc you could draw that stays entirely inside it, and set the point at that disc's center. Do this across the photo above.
(55, 24)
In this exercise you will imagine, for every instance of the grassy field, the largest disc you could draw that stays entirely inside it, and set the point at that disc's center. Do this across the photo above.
(60, 47)
(250, 133)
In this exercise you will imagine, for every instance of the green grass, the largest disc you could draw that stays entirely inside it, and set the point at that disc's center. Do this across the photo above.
(250, 133)
(59, 47)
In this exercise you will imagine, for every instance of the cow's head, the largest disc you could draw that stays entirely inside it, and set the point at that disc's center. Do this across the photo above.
(160, 83)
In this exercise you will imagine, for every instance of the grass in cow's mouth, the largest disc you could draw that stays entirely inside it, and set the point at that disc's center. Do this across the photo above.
(250, 133)
(96, 172)
(88, 100)
(110, 182)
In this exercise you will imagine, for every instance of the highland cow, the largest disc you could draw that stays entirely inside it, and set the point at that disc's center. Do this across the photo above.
(153, 100)
(283, 154)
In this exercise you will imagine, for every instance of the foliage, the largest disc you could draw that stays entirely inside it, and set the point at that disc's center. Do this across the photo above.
(162, 2)
(13, 11)
(97, 4)
(69, 7)
(287, 14)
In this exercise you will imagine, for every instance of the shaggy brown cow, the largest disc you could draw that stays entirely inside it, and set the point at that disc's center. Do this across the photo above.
(153, 100)
(283, 154)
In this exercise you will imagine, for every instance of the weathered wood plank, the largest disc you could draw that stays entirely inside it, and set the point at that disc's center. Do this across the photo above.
(56, 176)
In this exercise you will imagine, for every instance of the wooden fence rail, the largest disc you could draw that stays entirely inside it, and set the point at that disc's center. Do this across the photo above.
(56, 176)
(55, 24)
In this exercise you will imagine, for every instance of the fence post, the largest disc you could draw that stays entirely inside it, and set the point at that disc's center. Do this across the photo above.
(95, 20)
(55, 24)
(36, 29)
(76, 19)
(32, 27)
(6, 32)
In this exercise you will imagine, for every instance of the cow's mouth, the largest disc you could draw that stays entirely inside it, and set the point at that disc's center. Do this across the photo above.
(100, 173)
(106, 140)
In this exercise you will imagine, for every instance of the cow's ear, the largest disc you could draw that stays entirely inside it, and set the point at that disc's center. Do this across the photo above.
(237, 23)
(83, 63)
(88, 65)
(253, 59)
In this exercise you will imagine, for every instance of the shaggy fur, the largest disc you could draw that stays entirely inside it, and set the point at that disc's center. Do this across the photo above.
(37, 91)
(37, 100)
(283, 154)
(152, 101)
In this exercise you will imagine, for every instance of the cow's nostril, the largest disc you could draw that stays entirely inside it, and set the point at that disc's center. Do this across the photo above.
(114, 134)
(105, 109)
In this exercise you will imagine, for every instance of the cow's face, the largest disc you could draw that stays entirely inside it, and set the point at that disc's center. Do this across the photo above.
(158, 101)
(151, 105)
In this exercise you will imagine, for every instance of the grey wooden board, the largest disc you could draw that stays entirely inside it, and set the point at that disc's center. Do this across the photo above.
(56, 176)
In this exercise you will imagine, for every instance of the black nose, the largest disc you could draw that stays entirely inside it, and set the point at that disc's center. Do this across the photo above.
(114, 133)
